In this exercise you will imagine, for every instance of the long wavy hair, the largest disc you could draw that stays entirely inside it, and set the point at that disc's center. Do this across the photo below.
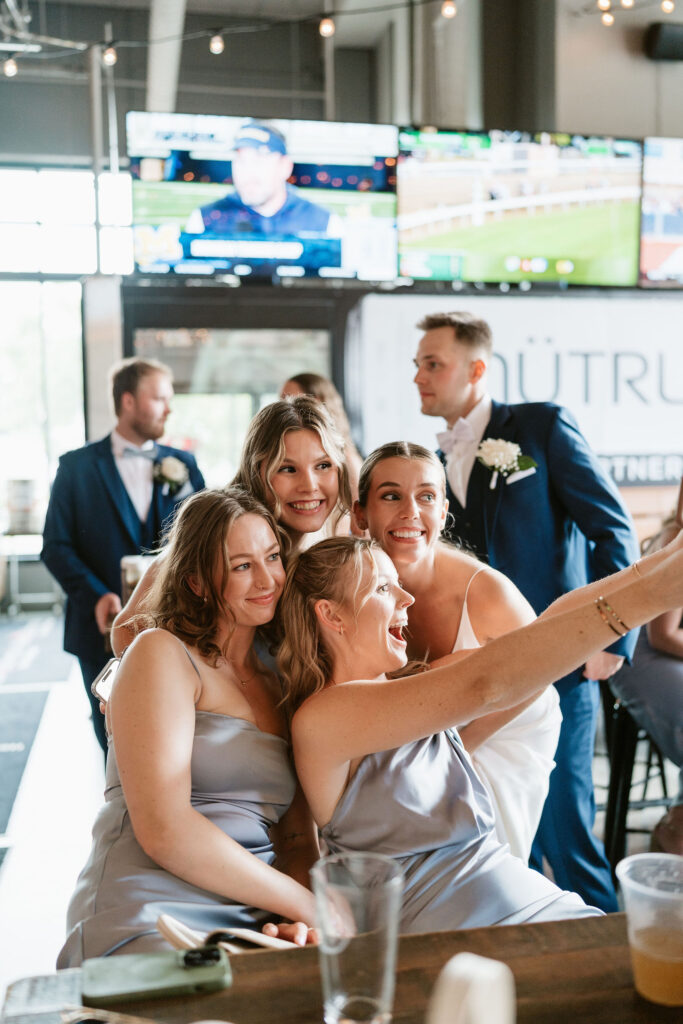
(187, 595)
(332, 570)
(324, 390)
(264, 449)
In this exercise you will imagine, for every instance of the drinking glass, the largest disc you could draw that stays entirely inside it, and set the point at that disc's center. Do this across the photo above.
(358, 904)
(652, 886)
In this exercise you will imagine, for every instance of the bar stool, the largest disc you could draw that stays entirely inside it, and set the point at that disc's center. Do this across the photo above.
(622, 735)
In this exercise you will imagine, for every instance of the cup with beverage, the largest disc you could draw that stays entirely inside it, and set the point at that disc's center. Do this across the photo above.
(652, 886)
(357, 905)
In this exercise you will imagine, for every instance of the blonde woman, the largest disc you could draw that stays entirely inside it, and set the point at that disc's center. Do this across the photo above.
(459, 604)
(203, 816)
(380, 759)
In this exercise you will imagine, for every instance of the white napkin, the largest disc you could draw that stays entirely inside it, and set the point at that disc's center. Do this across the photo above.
(473, 990)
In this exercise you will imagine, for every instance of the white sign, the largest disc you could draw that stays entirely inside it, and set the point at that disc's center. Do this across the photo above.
(616, 361)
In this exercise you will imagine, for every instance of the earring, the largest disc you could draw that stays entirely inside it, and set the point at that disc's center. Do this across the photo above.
(205, 599)
(341, 631)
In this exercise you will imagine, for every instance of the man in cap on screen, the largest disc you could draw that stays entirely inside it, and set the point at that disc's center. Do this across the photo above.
(263, 202)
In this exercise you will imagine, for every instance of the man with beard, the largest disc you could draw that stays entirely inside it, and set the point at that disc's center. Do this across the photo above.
(110, 499)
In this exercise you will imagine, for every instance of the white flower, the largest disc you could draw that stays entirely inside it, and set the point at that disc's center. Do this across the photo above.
(502, 457)
(171, 472)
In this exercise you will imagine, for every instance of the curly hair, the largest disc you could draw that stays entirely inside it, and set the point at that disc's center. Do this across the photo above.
(264, 448)
(187, 595)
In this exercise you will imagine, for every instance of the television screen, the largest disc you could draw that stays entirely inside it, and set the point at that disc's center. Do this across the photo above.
(661, 223)
(231, 195)
(510, 206)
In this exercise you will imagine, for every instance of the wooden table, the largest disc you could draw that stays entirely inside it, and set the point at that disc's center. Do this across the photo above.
(576, 972)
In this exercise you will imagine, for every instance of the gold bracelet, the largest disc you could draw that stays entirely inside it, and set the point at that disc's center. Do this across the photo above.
(636, 570)
(604, 607)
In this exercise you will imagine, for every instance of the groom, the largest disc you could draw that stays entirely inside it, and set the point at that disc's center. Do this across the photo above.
(110, 499)
(551, 522)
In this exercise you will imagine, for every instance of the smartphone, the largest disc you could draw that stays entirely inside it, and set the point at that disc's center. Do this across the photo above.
(118, 979)
(102, 684)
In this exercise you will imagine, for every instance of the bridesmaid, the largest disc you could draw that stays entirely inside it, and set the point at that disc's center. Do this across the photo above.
(203, 816)
(380, 759)
(460, 604)
(293, 462)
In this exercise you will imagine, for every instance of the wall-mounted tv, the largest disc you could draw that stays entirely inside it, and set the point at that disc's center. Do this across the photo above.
(220, 195)
(511, 206)
(661, 224)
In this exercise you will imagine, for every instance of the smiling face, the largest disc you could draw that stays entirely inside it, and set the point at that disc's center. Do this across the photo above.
(375, 623)
(405, 509)
(449, 375)
(256, 575)
(306, 482)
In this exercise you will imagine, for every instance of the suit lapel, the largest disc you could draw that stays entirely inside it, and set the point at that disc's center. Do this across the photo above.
(499, 426)
(116, 490)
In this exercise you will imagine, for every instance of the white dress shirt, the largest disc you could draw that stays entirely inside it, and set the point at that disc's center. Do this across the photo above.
(136, 472)
(465, 436)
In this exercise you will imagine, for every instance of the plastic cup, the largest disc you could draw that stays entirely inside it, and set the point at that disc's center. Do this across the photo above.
(652, 886)
(357, 904)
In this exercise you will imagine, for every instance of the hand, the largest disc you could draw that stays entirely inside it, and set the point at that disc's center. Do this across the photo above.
(602, 665)
(298, 932)
(106, 610)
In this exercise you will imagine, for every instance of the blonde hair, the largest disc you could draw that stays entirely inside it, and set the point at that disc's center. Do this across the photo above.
(186, 598)
(332, 570)
(264, 448)
(324, 390)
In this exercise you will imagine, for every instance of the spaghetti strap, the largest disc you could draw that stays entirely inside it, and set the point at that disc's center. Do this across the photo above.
(469, 583)
(192, 661)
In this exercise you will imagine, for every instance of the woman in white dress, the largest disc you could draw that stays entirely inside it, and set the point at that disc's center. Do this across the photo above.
(380, 759)
(460, 604)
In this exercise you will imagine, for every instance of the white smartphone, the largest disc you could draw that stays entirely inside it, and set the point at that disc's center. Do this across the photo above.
(102, 684)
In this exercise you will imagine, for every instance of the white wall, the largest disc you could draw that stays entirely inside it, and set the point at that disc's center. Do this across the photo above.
(615, 360)
(604, 81)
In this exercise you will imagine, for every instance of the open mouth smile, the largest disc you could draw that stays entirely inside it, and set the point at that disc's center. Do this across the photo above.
(396, 631)
(407, 534)
(307, 506)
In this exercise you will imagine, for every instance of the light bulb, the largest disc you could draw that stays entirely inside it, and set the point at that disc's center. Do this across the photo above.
(604, 5)
(607, 19)
(327, 28)
(448, 9)
(668, 6)
(627, 3)
(110, 56)
(10, 67)
(217, 44)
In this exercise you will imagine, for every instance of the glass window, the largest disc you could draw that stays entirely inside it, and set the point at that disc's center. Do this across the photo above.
(66, 197)
(18, 195)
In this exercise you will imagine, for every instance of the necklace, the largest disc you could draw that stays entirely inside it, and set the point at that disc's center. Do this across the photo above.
(243, 682)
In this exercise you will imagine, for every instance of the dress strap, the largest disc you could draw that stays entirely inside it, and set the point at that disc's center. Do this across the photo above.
(192, 661)
(469, 583)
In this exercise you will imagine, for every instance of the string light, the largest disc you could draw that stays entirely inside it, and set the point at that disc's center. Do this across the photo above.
(604, 5)
(448, 9)
(627, 3)
(10, 67)
(607, 19)
(327, 28)
(110, 56)
(217, 43)
(668, 6)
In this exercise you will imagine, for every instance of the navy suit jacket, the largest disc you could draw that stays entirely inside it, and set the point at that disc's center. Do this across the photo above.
(91, 524)
(556, 529)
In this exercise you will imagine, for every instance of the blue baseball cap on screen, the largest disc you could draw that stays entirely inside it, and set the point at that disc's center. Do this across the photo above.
(254, 135)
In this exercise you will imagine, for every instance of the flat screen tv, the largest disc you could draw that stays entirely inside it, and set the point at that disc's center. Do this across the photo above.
(661, 223)
(511, 206)
(220, 195)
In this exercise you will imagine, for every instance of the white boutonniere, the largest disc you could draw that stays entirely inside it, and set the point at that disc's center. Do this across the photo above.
(502, 458)
(172, 473)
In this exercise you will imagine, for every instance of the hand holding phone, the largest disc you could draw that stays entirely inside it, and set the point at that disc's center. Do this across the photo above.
(102, 684)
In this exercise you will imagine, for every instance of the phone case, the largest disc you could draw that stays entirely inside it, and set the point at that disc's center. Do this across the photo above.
(102, 684)
(117, 979)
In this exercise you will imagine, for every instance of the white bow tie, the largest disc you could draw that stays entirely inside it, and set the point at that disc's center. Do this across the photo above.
(140, 453)
(460, 431)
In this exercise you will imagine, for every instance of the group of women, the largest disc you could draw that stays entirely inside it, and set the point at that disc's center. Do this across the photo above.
(207, 815)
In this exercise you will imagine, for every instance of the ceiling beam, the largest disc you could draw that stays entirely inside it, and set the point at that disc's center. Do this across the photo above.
(166, 22)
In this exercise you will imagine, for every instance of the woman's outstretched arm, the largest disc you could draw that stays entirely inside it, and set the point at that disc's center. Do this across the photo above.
(153, 733)
(345, 722)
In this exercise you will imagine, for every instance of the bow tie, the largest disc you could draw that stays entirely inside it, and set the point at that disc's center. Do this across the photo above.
(140, 453)
(460, 431)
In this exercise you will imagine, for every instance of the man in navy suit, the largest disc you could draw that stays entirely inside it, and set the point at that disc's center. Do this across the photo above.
(550, 526)
(109, 499)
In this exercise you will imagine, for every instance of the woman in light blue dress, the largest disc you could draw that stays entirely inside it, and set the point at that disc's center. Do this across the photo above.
(203, 815)
(380, 759)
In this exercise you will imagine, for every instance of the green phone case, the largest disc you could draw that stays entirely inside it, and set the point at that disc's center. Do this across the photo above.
(116, 979)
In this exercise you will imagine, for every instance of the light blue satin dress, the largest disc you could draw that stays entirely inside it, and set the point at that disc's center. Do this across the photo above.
(424, 805)
(242, 781)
